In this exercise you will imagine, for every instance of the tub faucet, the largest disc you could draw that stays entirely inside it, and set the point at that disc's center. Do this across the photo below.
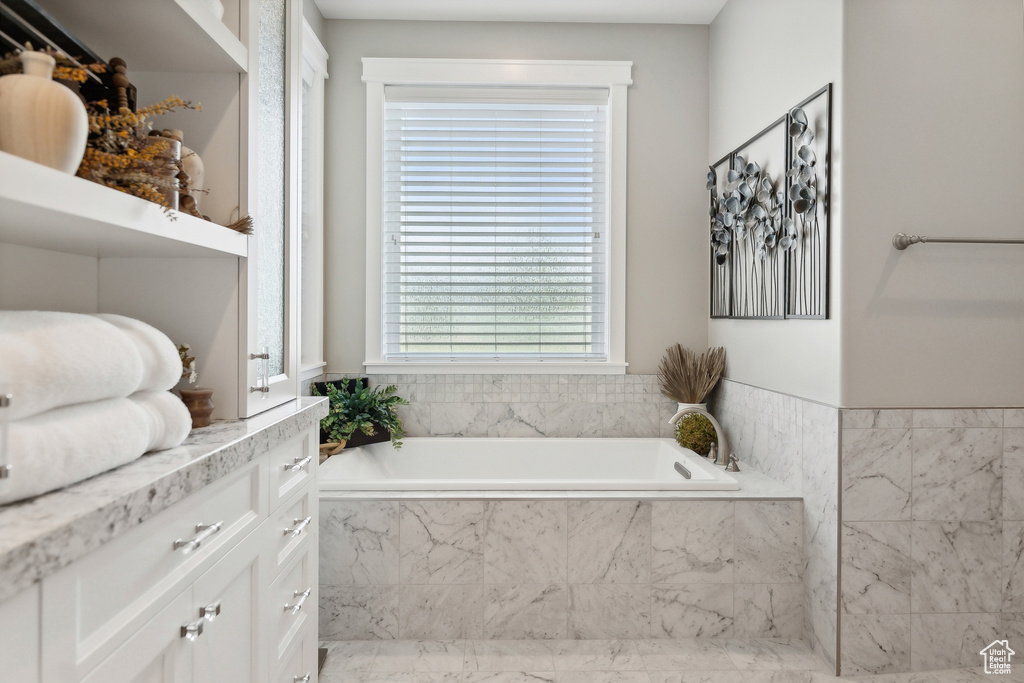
(723, 450)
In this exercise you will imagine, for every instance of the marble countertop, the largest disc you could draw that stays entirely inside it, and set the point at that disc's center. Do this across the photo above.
(44, 534)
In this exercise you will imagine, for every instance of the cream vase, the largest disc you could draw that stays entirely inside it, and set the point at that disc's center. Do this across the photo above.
(42, 120)
(193, 165)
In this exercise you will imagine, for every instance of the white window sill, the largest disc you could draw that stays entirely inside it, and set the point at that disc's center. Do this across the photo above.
(312, 370)
(493, 368)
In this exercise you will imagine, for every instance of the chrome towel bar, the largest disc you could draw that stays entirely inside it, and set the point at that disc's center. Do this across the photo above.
(902, 240)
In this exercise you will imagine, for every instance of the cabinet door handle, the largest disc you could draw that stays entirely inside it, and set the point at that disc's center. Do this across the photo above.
(193, 630)
(203, 532)
(302, 679)
(301, 595)
(211, 611)
(298, 464)
(300, 524)
(5, 471)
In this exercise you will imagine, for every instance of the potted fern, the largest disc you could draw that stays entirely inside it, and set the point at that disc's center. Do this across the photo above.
(358, 415)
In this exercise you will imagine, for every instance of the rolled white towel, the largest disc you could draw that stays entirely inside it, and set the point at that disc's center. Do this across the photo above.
(169, 419)
(66, 445)
(161, 364)
(51, 359)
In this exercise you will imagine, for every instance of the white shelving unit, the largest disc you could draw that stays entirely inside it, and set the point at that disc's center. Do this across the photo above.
(46, 209)
(169, 35)
(121, 254)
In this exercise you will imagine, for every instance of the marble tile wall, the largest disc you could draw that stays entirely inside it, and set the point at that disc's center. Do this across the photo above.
(932, 537)
(557, 569)
(531, 405)
(796, 442)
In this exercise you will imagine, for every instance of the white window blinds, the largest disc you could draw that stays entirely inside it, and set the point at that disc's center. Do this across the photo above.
(495, 224)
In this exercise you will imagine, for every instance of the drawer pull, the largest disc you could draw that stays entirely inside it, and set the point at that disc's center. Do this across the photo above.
(301, 595)
(203, 532)
(211, 611)
(302, 679)
(193, 630)
(5, 471)
(299, 464)
(300, 524)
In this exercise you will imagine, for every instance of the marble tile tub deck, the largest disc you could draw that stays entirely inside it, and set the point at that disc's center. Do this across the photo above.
(550, 565)
(598, 661)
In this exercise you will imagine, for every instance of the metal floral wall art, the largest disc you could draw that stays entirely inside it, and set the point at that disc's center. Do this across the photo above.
(750, 218)
(769, 238)
(808, 177)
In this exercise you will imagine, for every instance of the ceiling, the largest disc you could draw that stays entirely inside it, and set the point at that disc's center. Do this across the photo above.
(599, 11)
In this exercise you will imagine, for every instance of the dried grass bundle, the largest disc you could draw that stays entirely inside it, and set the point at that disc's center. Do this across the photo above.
(243, 225)
(688, 378)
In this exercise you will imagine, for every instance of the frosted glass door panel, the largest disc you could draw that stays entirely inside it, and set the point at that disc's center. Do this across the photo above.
(271, 353)
(271, 223)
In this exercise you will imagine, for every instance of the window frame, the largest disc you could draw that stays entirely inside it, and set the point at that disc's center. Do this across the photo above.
(311, 299)
(615, 76)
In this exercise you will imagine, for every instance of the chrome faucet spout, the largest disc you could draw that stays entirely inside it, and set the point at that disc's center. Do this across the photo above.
(723, 449)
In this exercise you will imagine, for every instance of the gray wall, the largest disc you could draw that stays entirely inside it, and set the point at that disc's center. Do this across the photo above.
(765, 57)
(934, 93)
(316, 20)
(666, 278)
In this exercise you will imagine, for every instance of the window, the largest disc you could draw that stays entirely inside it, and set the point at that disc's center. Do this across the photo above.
(311, 259)
(496, 209)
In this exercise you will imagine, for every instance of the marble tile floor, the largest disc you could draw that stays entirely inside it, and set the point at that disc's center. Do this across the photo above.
(759, 660)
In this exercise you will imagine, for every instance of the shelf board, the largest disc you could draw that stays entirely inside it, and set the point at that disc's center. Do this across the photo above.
(160, 35)
(43, 208)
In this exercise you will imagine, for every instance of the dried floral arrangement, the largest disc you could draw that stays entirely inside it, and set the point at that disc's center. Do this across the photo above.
(122, 151)
(686, 377)
(188, 364)
(120, 155)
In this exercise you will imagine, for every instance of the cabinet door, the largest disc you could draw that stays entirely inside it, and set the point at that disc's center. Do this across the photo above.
(227, 599)
(156, 653)
(270, 355)
(91, 606)
(19, 636)
(300, 664)
(291, 608)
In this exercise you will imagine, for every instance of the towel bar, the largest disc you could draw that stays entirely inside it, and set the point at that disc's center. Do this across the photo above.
(902, 240)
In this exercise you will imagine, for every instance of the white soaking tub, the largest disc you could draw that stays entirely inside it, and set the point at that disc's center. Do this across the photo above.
(468, 464)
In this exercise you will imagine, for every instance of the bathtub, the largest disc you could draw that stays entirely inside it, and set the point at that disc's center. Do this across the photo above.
(470, 464)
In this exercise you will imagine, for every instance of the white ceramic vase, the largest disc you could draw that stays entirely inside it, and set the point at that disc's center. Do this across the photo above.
(193, 165)
(40, 119)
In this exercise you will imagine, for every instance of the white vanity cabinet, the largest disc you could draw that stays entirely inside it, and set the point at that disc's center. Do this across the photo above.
(19, 636)
(209, 632)
(218, 587)
(116, 613)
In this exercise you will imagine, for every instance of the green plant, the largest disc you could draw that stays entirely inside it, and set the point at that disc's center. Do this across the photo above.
(694, 431)
(361, 409)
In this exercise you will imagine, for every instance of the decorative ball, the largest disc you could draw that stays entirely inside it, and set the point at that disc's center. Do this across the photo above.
(694, 431)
